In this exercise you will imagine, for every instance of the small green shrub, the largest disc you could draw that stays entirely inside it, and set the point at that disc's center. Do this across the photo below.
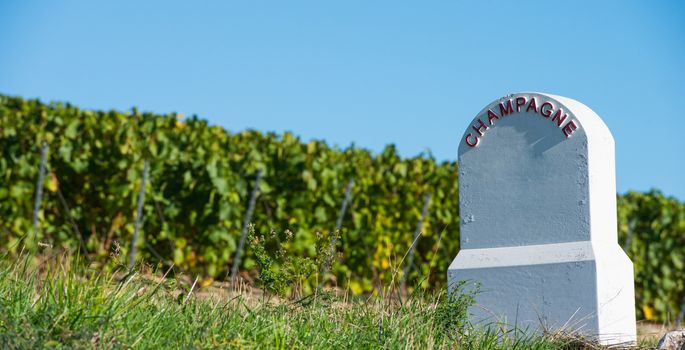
(283, 272)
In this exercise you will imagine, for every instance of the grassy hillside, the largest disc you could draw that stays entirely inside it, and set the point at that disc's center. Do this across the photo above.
(50, 303)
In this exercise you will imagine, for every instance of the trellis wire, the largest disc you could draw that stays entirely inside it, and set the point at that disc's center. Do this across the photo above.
(74, 227)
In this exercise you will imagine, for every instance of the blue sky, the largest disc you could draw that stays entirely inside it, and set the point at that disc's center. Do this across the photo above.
(364, 72)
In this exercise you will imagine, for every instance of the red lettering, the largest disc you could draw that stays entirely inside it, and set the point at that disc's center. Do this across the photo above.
(533, 105)
(504, 111)
(520, 101)
(569, 128)
(546, 112)
(466, 139)
(559, 118)
(491, 116)
(480, 126)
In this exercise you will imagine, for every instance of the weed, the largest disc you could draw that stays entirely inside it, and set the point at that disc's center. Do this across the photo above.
(451, 317)
(280, 273)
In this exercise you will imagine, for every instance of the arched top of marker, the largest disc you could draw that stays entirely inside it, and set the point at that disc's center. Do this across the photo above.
(532, 167)
(559, 117)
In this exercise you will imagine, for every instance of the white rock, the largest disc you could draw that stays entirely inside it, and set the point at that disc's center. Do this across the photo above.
(674, 340)
(537, 198)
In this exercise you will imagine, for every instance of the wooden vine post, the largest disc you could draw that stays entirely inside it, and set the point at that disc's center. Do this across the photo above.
(139, 215)
(39, 184)
(417, 232)
(338, 226)
(246, 223)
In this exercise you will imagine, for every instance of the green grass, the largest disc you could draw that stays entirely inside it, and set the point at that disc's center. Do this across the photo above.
(51, 303)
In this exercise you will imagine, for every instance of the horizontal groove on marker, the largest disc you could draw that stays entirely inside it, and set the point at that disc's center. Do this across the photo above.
(554, 253)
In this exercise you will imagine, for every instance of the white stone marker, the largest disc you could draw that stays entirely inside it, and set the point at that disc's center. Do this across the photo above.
(537, 196)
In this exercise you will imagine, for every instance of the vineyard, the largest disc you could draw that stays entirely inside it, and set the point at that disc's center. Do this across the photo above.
(198, 185)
